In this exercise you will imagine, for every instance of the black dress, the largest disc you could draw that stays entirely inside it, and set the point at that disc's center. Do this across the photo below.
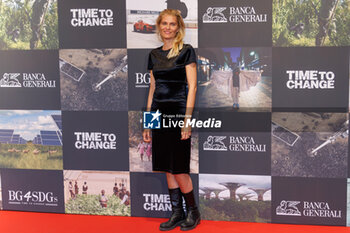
(169, 152)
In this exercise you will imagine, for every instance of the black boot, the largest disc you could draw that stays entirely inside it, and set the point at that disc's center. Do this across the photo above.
(178, 215)
(193, 216)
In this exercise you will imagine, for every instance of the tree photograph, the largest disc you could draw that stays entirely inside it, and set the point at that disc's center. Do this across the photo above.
(311, 23)
(28, 24)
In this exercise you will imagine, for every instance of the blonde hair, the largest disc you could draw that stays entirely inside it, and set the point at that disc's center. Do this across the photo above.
(178, 41)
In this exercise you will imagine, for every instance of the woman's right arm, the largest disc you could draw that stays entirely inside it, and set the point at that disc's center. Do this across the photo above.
(152, 87)
(147, 132)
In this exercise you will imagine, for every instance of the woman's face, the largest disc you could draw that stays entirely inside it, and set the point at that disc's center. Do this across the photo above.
(168, 27)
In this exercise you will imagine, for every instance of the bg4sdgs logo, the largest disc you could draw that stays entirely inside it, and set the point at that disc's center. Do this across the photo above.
(33, 197)
(151, 120)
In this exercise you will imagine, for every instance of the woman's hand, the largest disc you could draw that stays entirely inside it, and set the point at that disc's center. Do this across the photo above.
(146, 134)
(186, 131)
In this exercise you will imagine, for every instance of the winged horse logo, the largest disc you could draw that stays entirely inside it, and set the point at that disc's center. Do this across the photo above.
(215, 143)
(288, 208)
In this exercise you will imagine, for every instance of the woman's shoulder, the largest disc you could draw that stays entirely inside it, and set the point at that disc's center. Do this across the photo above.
(187, 46)
(184, 47)
(187, 49)
(160, 48)
(155, 50)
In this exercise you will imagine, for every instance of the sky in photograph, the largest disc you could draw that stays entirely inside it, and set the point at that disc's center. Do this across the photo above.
(28, 123)
(93, 175)
(234, 51)
(213, 182)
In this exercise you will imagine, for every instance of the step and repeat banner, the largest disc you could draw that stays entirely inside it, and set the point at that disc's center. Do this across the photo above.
(275, 73)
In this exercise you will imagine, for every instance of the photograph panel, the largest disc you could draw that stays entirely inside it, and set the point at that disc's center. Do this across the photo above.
(97, 192)
(310, 23)
(26, 25)
(309, 144)
(94, 79)
(235, 197)
(235, 78)
(31, 139)
(141, 21)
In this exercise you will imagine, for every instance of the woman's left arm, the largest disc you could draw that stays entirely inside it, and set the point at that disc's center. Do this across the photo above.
(191, 75)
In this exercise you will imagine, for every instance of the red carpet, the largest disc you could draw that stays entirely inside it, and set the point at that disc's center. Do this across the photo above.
(26, 222)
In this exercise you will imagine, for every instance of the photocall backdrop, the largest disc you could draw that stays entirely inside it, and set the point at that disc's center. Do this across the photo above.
(74, 83)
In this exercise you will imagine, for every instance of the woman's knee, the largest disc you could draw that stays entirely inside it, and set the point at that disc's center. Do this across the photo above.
(169, 175)
(181, 176)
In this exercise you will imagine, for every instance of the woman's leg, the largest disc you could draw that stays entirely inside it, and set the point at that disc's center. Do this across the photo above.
(193, 216)
(172, 183)
(178, 215)
(184, 181)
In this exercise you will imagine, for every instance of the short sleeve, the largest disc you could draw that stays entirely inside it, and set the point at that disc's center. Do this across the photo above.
(190, 56)
(150, 62)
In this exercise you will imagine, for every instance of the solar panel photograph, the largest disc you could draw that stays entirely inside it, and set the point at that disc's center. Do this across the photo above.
(94, 79)
(31, 139)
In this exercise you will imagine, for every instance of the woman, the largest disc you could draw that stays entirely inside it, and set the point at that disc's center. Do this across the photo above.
(172, 91)
(234, 85)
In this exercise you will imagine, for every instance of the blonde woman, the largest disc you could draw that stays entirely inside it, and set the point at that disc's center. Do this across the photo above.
(172, 91)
